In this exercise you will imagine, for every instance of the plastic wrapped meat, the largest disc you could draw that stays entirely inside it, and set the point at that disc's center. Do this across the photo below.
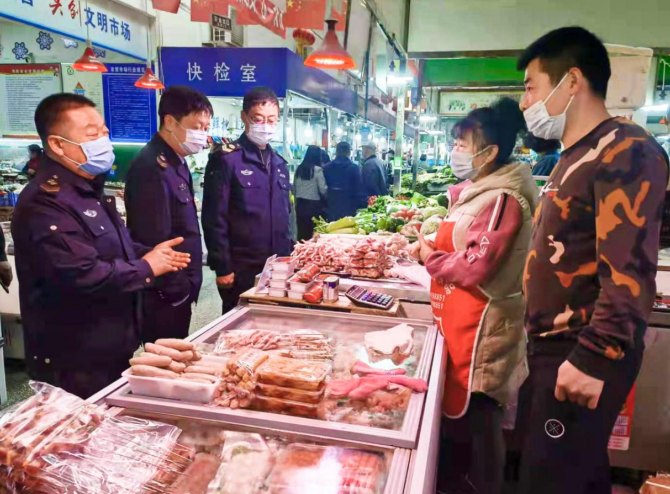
(291, 394)
(56, 443)
(286, 407)
(396, 343)
(293, 373)
(304, 468)
(197, 476)
(238, 380)
(261, 339)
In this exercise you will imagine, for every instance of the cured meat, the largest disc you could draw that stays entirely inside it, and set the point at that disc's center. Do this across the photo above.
(342, 387)
(367, 386)
(363, 369)
(416, 385)
(361, 387)
(197, 476)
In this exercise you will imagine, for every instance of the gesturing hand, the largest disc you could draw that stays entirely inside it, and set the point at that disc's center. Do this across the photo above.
(225, 281)
(580, 388)
(163, 259)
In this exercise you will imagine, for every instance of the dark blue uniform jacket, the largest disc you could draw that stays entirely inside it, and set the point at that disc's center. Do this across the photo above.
(160, 206)
(246, 207)
(79, 273)
(345, 189)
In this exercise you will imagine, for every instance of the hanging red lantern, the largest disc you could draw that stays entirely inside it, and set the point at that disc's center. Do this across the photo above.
(304, 38)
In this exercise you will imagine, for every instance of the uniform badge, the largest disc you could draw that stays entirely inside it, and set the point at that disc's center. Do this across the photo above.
(50, 185)
(246, 173)
(282, 175)
(91, 213)
(162, 161)
(182, 186)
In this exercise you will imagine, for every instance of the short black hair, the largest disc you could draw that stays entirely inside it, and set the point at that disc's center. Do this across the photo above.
(540, 145)
(325, 158)
(259, 95)
(498, 124)
(52, 107)
(343, 149)
(180, 101)
(35, 149)
(562, 49)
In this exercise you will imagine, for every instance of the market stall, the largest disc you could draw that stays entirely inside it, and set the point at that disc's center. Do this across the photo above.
(358, 441)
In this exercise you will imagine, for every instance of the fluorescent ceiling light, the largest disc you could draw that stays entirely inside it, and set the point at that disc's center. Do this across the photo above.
(398, 80)
(428, 118)
(436, 132)
(659, 108)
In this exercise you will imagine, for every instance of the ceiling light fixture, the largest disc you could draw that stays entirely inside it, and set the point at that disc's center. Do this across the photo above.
(330, 55)
(149, 79)
(88, 62)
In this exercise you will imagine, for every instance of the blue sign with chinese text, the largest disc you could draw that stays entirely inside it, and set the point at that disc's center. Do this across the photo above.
(130, 112)
(231, 72)
(224, 71)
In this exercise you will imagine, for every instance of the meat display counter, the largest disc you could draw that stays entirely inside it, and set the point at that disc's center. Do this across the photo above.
(401, 434)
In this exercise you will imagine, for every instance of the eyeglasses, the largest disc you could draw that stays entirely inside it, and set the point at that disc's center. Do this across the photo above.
(262, 120)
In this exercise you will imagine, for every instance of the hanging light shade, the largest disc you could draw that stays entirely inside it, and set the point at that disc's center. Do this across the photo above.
(149, 80)
(88, 62)
(330, 55)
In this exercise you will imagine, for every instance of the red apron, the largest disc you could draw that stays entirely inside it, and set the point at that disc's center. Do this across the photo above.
(458, 313)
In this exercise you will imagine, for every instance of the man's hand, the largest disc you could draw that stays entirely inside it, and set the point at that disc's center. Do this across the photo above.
(426, 248)
(225, 281)
(163, 259)
(6, 274)
(580, 388)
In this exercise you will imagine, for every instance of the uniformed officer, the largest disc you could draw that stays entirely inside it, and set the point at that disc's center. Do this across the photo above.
(79, 271)
(160, 205)
(246, 205)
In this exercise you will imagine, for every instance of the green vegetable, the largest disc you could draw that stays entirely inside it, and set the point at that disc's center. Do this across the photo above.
(345, 231)
(394, 208)
(431, 225)
(418, 199)
(320, 225)
(347, 222)
(429, 212)
(442, 200)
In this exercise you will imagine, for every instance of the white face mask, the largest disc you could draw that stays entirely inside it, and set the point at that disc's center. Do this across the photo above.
(543, 125)
(462, 164)
(195, 140)
(262, 134)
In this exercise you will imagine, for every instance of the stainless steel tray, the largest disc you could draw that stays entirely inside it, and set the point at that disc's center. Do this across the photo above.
(405, 437)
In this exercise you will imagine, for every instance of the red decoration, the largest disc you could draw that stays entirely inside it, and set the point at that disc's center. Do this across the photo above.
(171, 6)
(306, 14)
(304, 37)
(330, 54)
(262, 13)
(338, 12)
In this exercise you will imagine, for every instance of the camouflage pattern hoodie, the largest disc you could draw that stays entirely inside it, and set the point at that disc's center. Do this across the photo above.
(590, 275)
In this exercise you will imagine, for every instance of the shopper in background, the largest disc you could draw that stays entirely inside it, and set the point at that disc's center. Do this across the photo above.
(373, 172)
(325, 159)
(476, 263)
(310, 192)
(160, 204)
(79, 271)
(423, 163)
(343, 177)
(246, 204)
(33, 163)
(548, 151)
(590, 274)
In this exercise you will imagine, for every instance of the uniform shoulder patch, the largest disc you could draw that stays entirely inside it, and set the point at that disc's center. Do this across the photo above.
(229, 147)
(52, 186)
(162, 161)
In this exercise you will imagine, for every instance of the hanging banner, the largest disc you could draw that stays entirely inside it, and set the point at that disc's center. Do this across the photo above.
(459, 103)
(109, 25)
(339, 12)
(171, 6)
(262, 13)
(305, 14)
(22, 87)
(87, 84)
(202, 10)
(130, 112)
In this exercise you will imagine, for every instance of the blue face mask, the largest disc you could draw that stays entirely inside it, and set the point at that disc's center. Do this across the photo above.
(99, 155)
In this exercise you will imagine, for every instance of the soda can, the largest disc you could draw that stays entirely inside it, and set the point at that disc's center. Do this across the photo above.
(331, 289)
